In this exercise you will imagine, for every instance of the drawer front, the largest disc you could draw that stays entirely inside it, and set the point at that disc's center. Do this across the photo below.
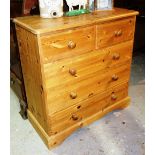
(115, 32)
(117, 94)
(67, 44)
(70, 116)
(119, 53)
(81, 67)
(76, 69)
(61, 96)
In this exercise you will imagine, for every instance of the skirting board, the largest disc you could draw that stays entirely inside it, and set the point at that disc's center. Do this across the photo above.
(53, 141)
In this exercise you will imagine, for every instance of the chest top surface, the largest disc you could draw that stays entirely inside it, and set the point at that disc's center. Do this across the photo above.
(38, 25)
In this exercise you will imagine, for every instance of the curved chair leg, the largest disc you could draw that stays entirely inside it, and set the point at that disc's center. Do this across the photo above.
(23, 109)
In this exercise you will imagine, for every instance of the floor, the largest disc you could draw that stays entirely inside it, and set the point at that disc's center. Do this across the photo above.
(118, 133)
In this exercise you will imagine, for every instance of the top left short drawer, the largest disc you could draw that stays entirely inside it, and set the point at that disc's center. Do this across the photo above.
(66, 44)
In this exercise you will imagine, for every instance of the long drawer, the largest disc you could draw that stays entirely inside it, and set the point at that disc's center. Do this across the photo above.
(67, 44)
(81, 67)
(65, 95)
(115, 32)
(70, 116)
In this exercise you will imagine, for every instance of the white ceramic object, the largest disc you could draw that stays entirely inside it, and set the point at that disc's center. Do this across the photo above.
(51, 8)
(81, 3)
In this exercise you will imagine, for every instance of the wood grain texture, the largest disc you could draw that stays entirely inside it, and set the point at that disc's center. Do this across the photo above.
(38, 25)
(76, 69)
(115, 32)
(59, 92)
(57, 47)
(76, 113)
(31, 68)
(55, 140)
(87, 64)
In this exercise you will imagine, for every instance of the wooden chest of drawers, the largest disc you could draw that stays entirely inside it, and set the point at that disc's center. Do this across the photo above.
(76, 69)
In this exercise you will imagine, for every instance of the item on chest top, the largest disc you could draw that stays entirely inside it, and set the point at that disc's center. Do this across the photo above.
(104, 4)
(51, 8)
(91, 5)
(80, 5)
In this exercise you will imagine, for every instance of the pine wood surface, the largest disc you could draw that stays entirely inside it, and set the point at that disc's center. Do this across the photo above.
(70, 116)
(115, 32)
(38, 25)
(75, 76)
(90, 86)
(86, 64)
(84, 38)
(55, 140)
(31, 68)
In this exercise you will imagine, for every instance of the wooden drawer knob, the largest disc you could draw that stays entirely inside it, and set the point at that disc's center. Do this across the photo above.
(12, 81)
(75, 117)
(71, 44)
(114, 77)
(116, 56)
(118, 33)
(114, 97)
(73, 95)
(72, 72)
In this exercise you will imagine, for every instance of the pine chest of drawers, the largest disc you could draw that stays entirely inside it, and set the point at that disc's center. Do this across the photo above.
(76, 69)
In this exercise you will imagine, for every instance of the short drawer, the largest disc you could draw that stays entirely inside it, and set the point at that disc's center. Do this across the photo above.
(67, 44)
(115, 32)
(61, 96)
(77, 113)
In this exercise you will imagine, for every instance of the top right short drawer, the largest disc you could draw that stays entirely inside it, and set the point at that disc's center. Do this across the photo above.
(115, 32)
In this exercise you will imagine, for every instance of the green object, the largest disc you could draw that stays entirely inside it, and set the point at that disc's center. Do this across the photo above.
(77, 12)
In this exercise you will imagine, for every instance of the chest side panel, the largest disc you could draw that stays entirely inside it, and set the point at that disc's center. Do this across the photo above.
(31, 68)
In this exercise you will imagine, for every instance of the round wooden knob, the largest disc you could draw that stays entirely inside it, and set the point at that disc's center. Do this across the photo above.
(116, 56)
(114, 77)
(113, 97)
(72, 72)
(73, 95)
(75, 117)
(12, 81)
(71, 44)
(118, 33)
